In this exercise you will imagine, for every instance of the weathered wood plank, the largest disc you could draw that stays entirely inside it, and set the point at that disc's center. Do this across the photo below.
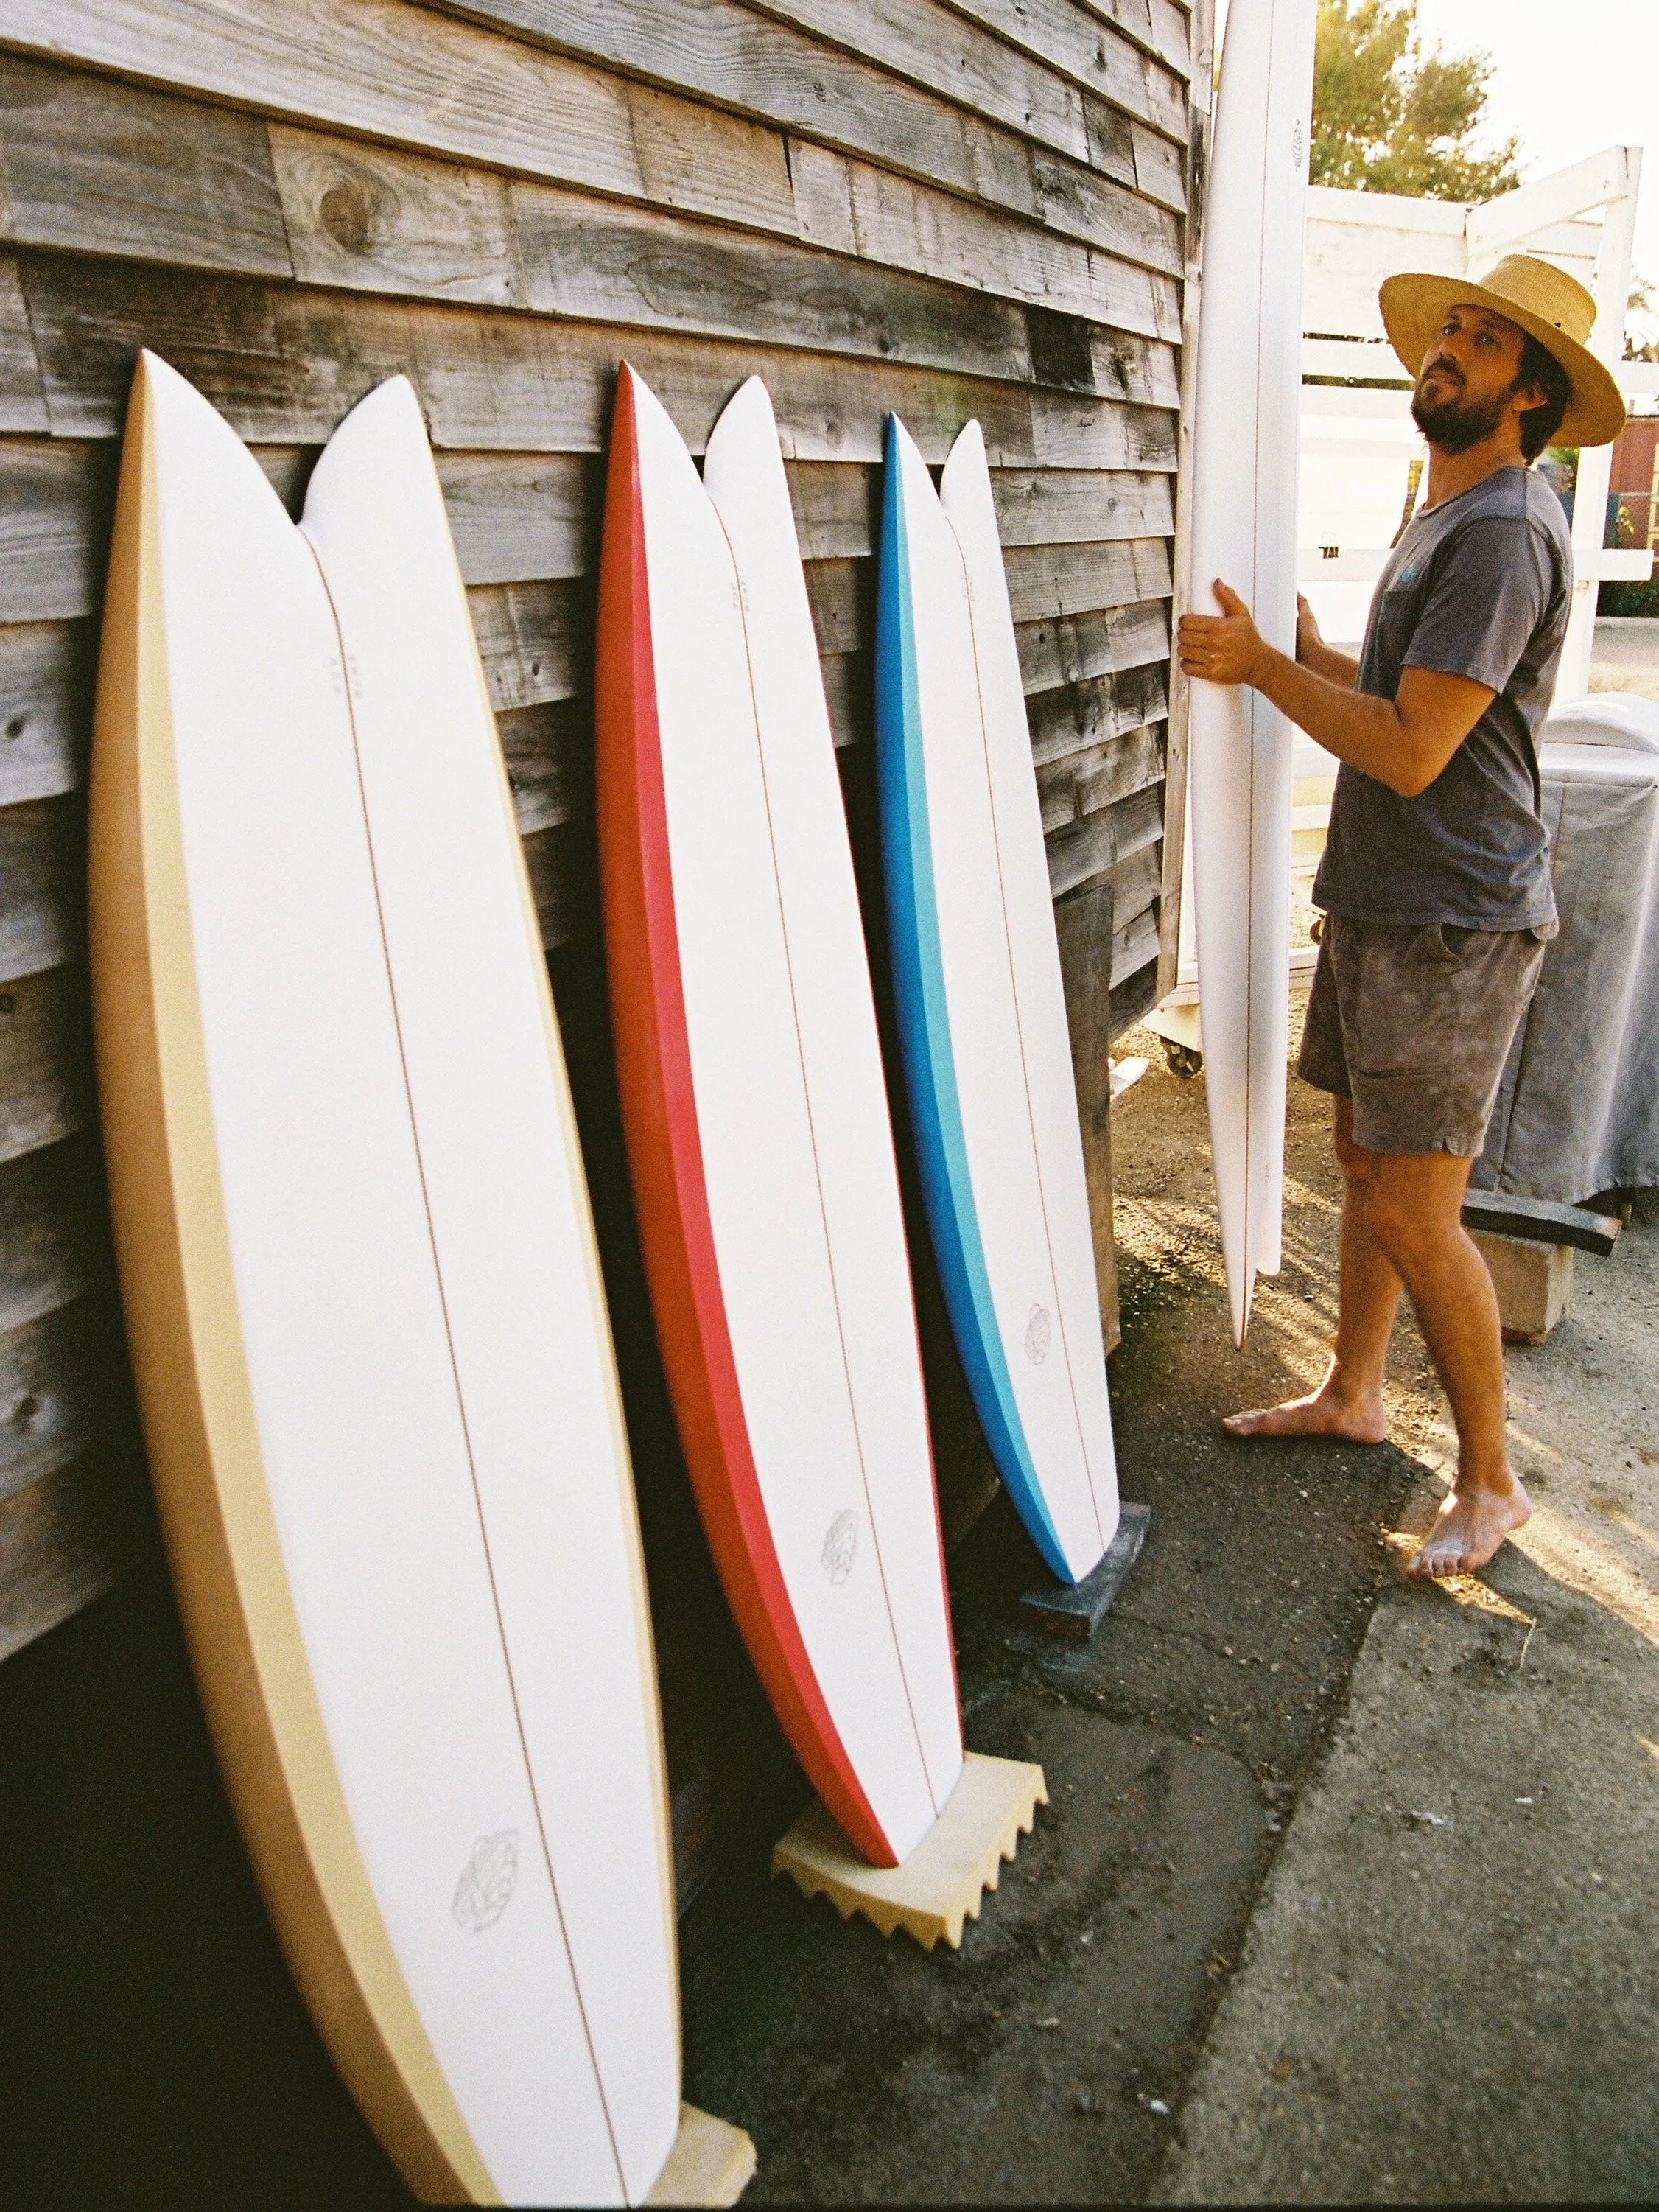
(283, 365)
(1045, 580)
(64, 1541)
(842, 594)
(535, 641)
(1098, 777)
(1041, 581)
(375, 68)
(1013, 78)
(549, 752)
(514, 517)
(1052, 507)
(840, 96)
(46, 1231)
(837, 508)
(23, 398)
(1071, 648)
(98, 166)
(857, 208)
(383, 220)
(1102, 708)
(1148, 374)
(42, 886)
(56, 497)
(1104, 841)
(386, 220)
(50, 1379)
(593, 259)
(948, 54)
(1158, 25)
(1134, 952)
(381, 68)
(46, 708)
(1160, 168)
(1061, 33)
(46, 1060)
(838, 79)
(521, 516)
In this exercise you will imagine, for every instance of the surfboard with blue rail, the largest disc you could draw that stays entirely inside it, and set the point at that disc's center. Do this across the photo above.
(980, 1005)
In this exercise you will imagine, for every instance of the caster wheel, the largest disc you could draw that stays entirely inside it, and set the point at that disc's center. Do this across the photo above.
(1181, 1059)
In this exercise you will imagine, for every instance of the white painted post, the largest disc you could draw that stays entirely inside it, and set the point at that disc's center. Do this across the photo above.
(1589, 505)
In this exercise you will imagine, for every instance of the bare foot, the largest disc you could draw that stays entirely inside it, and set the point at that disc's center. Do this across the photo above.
(1471, 1526)
(1321, 1414)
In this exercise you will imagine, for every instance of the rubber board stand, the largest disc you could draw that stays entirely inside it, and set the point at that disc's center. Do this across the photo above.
(940, 1883)
(1076, 1609)
(712, 2162)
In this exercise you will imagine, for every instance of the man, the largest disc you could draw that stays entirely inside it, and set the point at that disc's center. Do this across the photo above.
(1435, 879)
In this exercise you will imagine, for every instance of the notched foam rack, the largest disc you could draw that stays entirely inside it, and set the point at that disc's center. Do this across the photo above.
(940, 1884)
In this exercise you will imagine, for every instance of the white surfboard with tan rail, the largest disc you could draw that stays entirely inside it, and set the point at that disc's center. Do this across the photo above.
(365, 1312)
(1244, 507)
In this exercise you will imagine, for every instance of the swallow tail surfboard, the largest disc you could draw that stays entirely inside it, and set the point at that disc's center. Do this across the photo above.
(756, 1117)
(982, 1009)
(363, 1297)
(1246, 430)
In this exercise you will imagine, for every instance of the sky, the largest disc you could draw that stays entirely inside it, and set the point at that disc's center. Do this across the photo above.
(1568, 77)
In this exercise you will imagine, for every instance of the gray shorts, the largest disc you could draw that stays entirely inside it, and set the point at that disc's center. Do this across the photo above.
(1415, 1025)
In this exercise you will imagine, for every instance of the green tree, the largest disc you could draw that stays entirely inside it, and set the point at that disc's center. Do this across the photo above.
(1389, 117)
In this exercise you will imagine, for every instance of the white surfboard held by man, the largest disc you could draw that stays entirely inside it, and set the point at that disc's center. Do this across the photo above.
(1436, 880)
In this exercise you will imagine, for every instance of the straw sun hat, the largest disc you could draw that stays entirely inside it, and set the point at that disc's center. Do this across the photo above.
(1544, 301)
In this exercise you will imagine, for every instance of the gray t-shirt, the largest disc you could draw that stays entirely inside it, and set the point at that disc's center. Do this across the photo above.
(1480, 586)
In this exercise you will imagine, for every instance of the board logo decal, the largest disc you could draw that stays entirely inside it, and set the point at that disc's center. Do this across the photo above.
(1298, 150)
(841, 1548)
(1039, 1334)
(487, 1882)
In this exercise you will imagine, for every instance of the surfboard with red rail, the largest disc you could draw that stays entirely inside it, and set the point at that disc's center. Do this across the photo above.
(757, 1120)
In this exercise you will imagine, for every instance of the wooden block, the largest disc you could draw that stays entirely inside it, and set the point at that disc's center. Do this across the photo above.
(1076, 1609)
(1533, 1283)
(1541, 1220)
(712, 2162)
(940, 1883)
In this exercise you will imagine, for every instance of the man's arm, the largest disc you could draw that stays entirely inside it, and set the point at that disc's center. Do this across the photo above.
(1312, 652)
(1403, 742)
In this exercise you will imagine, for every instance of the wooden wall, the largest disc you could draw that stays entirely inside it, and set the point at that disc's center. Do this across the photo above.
(951, 210)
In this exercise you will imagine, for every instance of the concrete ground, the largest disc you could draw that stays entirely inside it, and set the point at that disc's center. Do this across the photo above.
(1449, 1992)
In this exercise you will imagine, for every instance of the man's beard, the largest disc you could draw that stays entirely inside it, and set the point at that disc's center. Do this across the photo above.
(1457, 421)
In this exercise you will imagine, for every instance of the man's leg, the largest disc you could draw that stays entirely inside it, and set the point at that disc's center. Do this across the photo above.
(1349, 1401)
(1415, 1206)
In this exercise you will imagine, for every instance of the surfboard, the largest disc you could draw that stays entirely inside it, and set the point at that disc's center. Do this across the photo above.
(982, 1009)
(363, 1304)
(757, 1120)
(1245, 435)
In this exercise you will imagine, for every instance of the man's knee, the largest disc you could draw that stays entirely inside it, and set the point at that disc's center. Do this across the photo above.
(1411, 1215)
